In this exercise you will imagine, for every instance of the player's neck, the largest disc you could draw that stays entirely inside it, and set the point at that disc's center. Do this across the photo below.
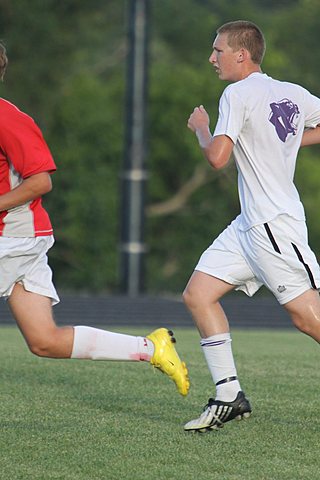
(246, 71)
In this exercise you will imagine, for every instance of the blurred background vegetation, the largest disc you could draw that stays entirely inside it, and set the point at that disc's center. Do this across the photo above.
(67, 63)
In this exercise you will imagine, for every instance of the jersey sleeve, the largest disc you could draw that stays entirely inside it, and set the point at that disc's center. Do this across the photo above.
(232, 115)
(312, 110)
(22, 142)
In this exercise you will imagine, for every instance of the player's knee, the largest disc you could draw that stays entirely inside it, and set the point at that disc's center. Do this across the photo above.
(43, 347)
(302, 324)
(39, 349)
(186, 296)
(190, 297)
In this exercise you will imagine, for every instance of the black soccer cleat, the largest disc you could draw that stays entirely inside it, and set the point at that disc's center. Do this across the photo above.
(216, 413)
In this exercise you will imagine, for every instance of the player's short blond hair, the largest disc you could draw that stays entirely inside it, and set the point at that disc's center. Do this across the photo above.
(3, 61)
(244, 34)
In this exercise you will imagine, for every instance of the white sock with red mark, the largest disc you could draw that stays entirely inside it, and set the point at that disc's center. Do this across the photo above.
(96, 344)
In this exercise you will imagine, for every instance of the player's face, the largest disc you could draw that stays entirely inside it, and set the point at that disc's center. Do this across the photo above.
(224, 59)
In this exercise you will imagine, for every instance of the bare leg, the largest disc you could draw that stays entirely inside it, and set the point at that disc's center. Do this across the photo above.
(202, 296)
(305, 313)
(33, 314)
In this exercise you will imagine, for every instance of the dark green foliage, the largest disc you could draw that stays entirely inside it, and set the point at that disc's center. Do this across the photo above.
(67, 69)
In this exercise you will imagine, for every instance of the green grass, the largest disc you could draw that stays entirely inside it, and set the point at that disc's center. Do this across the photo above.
(82, 420)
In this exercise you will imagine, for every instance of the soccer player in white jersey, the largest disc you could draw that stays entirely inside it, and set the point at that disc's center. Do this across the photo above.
(26, 235)
(262, 123)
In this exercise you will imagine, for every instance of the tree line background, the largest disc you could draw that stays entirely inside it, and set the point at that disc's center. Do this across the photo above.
(67, 63)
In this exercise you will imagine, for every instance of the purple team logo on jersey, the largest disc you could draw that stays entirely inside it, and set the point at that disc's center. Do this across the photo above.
(282, 116)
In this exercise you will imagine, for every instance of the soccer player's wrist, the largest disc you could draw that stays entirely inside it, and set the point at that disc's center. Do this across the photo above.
(204, 138)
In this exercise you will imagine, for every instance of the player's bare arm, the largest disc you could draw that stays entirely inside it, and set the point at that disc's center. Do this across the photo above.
(31, 188)
(311, 137)
(217, 150)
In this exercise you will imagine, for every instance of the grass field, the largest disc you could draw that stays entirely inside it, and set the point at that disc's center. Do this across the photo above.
(82, 420)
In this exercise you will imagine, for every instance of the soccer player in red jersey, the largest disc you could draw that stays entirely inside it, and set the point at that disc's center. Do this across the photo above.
(26, 235)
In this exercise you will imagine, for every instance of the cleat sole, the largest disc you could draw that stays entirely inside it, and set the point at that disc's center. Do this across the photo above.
(243, 416)
(167, 360)
(215, 427)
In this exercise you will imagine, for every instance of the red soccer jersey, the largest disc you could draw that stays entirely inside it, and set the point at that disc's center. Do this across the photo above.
(23, 152)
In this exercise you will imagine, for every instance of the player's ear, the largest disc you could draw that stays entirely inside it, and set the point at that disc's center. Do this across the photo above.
(242, 55)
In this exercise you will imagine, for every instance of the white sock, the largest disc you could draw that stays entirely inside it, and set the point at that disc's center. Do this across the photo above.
(218, 353)
(95, 344)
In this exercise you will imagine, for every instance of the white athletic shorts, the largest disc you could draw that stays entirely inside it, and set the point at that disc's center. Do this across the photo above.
(25, 261)
(275, 254)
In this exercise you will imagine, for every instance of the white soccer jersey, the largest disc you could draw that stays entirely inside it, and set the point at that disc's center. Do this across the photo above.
(265, 119)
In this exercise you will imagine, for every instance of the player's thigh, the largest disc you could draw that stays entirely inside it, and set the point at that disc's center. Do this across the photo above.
(33, 314)
(206, 288)
(305, 308)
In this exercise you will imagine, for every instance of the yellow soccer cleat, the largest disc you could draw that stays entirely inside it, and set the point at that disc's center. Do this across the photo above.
(166, 359)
